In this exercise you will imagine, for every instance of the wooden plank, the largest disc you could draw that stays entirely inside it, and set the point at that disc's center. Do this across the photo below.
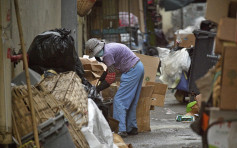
(36, 137)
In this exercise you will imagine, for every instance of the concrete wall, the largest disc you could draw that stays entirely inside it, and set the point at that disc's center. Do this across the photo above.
(69, 18)
(5, 74)
(36, 16)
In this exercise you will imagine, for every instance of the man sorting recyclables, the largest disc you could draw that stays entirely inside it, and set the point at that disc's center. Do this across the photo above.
(119, 56)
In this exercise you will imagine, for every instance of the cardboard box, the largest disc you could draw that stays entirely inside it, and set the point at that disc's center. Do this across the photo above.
(110, 92)
(216, 9)
(221, 45)
(95, 68)
(229, 79)
(159, 88)
(222, 135)
(227, 29)
(113, 124)
(157, 100)
(92, 77)
(143, 109)
(158, 94)
(187, 40)
(92, 61)
(232, 9)
(85, 61)
(150, 67)
(218, 46)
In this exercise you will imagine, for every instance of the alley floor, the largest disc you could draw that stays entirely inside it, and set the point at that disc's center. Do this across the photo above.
(165, 131)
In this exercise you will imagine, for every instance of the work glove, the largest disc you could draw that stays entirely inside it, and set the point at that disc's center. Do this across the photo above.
(103, 85)
(103, 76)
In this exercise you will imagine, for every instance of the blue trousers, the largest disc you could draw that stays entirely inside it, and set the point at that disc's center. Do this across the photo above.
(127, 96)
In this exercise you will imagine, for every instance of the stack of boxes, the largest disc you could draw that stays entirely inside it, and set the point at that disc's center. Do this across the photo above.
(223, 12)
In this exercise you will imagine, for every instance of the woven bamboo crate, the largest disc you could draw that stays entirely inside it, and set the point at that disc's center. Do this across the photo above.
(21, 109)
(68, 89)
(74, 129)
(45, 106)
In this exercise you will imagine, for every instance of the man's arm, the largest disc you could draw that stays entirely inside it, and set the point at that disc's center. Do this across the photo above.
(108, 79)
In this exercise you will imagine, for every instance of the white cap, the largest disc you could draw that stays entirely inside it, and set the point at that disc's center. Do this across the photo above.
(94, 46)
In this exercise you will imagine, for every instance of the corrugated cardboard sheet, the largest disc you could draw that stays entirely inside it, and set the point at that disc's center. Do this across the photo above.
(222, 135)
(227, 29)
(158, 94)
(143, 109)
(229, 79)
(216, 9)
(150, 67)
(93, 69)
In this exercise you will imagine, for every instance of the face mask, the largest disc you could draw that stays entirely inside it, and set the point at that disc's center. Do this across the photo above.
(100, 54)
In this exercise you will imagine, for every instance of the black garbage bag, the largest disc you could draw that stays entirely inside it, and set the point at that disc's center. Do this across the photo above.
(54, 49)
(98, 99)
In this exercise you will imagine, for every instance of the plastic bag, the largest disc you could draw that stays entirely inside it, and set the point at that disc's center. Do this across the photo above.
(55, 50)
(173, 65)
(163, 53)
(183, 83)
(98, 133)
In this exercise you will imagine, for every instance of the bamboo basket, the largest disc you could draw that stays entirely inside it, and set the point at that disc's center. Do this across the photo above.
(84, 6)
(46, 106)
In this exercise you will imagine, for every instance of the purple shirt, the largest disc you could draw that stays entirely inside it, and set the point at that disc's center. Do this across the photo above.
(119, 55)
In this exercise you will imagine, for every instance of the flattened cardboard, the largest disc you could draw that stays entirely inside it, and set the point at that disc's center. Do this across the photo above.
(150, 67)
(229, 80)
(143, 109)
(227, 29)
